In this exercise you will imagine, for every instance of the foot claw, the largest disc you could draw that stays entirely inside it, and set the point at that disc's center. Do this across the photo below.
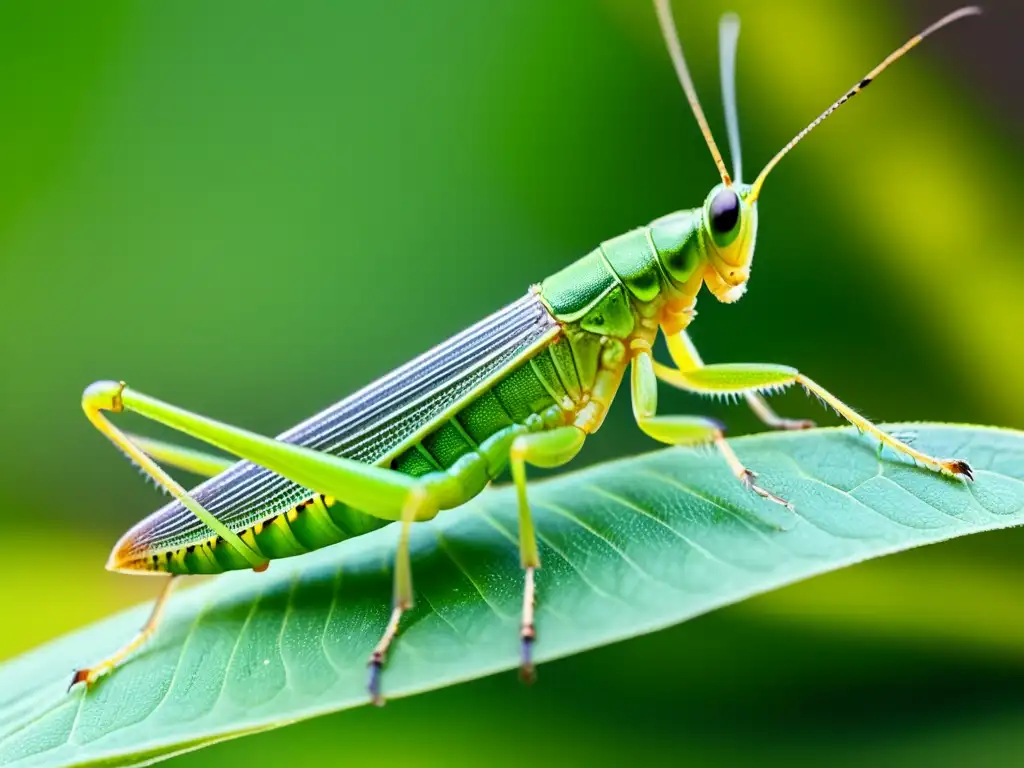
(527, 670)
(89, 675)
(373, 686)
(81, 676)
(958, 467)
(748, 477)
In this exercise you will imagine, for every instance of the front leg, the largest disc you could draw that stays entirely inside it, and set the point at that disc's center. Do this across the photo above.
(686, 358)
(739, 379)
(683, 430)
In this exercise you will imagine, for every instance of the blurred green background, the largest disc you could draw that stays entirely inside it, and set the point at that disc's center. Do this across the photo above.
(253, 208)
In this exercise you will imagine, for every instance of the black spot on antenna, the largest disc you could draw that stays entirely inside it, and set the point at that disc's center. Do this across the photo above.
(864, 84)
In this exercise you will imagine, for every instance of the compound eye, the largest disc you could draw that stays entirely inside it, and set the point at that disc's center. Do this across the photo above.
(725, 212)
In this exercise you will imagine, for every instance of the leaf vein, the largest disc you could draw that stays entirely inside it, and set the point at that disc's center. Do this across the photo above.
(618, 550)
(443, 546)
(629, 504)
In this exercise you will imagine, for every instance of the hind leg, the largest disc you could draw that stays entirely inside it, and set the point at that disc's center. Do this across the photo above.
(90, 675)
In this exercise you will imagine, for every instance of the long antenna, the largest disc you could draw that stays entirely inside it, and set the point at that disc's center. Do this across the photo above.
(897, 54)
(728, 37)
(675, 50)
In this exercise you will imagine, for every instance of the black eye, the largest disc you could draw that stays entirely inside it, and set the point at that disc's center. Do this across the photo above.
(725, 211)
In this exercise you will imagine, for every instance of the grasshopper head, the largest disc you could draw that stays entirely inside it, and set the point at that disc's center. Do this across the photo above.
(730, 229)
(729, 221)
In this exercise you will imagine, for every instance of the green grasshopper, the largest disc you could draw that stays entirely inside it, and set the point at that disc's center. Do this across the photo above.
(526, 385)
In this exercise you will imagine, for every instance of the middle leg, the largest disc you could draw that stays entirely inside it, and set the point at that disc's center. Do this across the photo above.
(429, 494)
(683, 430)
(459, 483)
(417, 507)
(541, 449)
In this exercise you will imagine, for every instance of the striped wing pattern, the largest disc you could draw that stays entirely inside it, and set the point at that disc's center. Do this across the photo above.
(372, 425)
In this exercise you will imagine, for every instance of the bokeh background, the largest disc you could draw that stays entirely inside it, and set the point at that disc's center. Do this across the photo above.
(252, 208)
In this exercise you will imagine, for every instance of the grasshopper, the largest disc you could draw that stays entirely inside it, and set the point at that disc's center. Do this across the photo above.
(525, 386)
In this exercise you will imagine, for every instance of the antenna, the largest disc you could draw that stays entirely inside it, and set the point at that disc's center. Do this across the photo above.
(728, 37)
(675, 50)
(864, 83)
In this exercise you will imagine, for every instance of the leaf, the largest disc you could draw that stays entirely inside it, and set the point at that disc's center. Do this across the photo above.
(628, 547)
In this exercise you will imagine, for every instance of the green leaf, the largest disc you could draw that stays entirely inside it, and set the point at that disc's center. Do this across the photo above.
(628, 547)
